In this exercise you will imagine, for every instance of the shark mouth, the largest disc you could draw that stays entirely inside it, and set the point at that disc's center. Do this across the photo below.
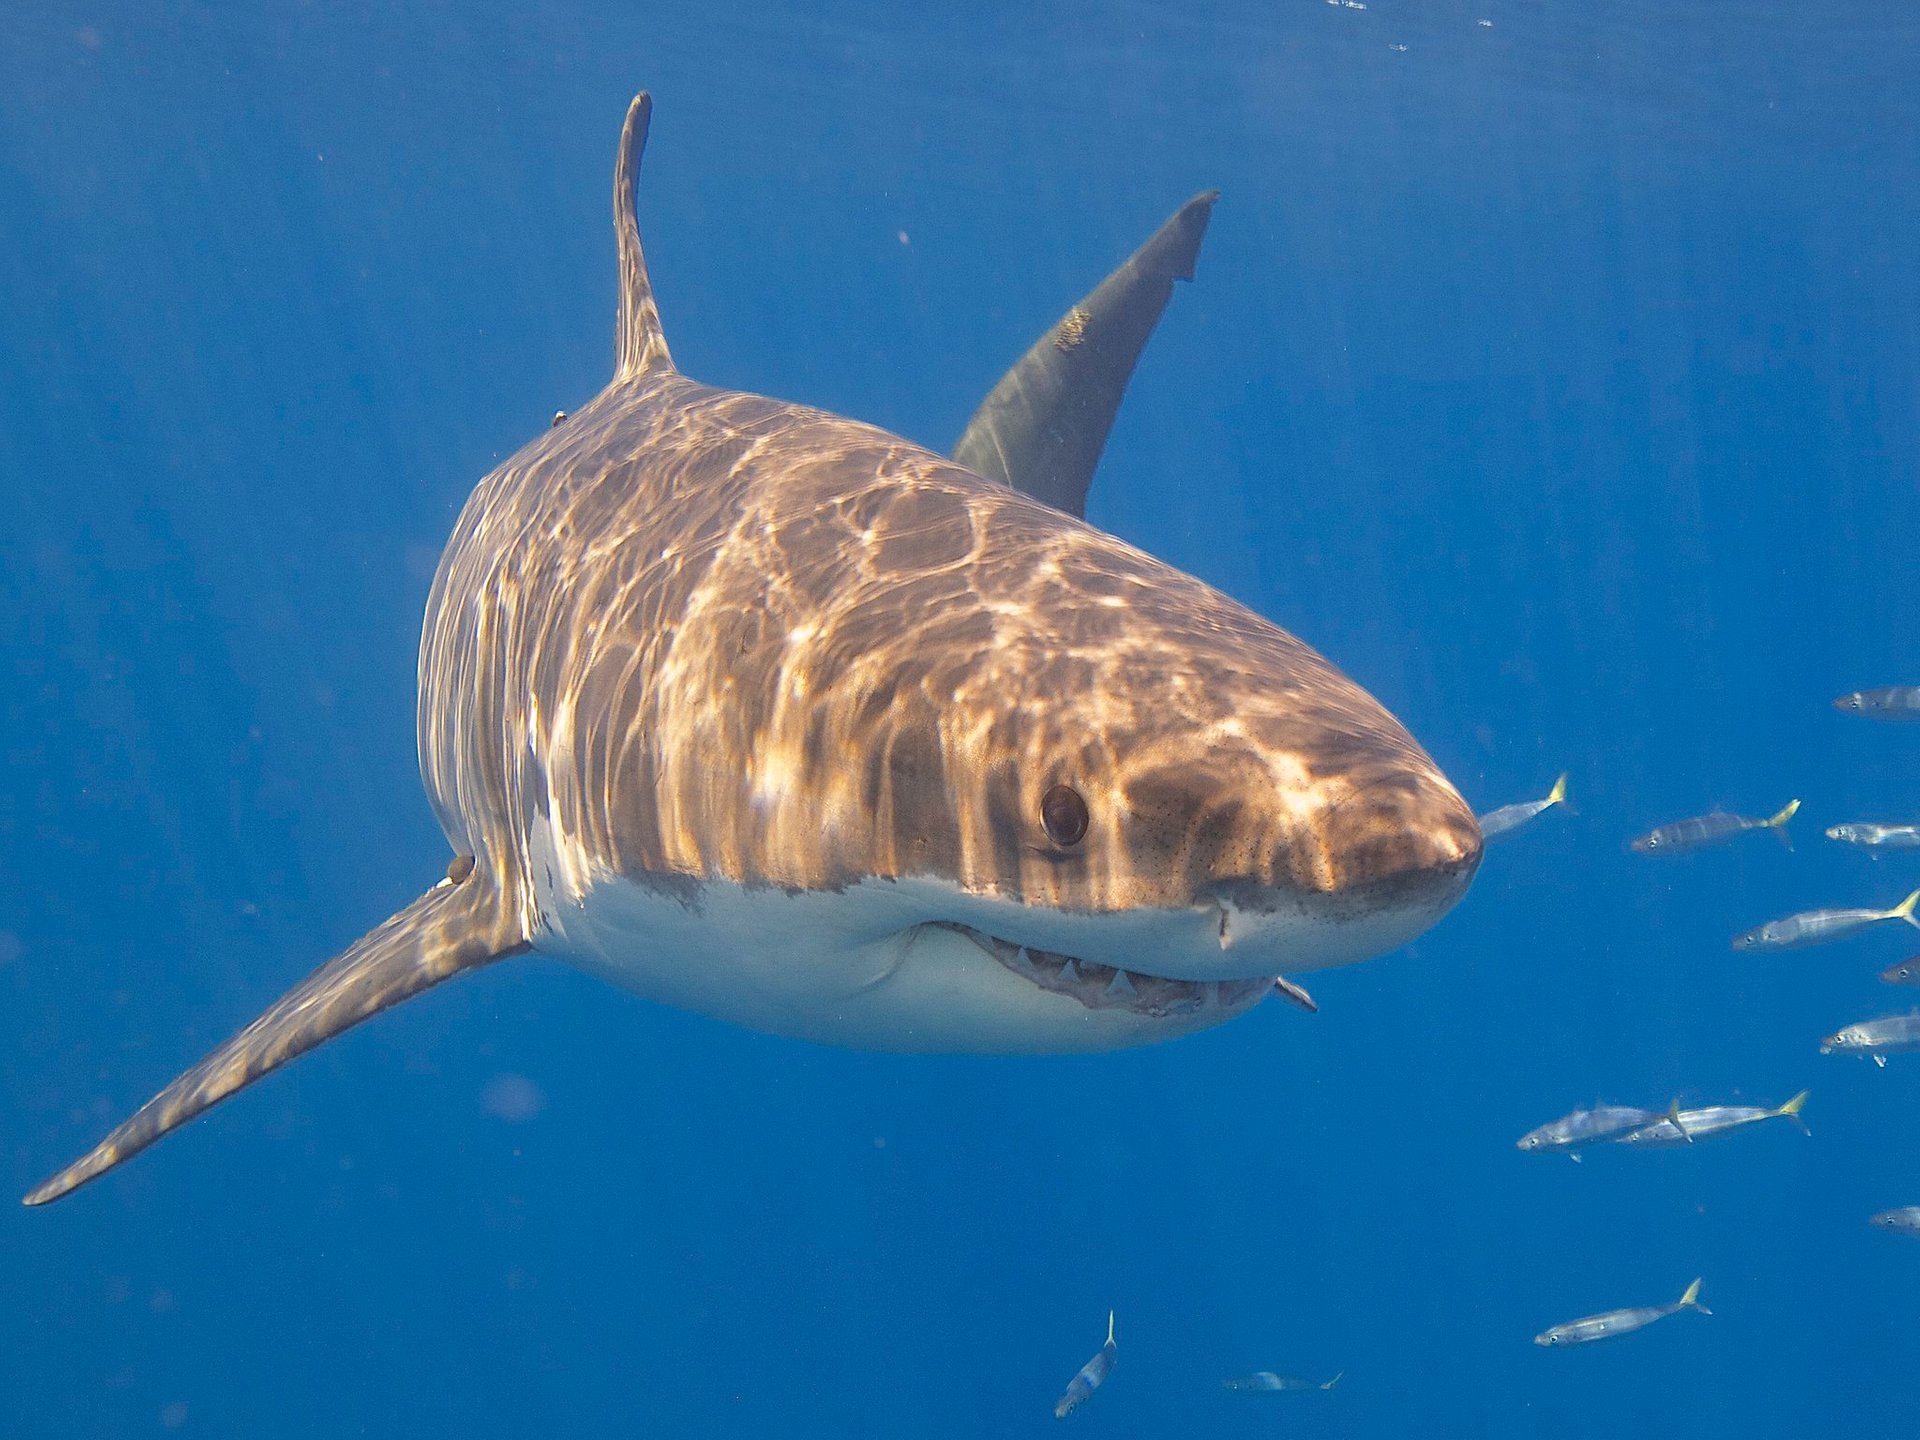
(1107, 987)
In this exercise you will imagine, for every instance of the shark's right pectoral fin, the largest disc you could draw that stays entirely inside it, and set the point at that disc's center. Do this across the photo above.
(453, 927)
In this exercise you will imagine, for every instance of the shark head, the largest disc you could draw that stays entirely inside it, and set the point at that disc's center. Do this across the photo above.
(1096, 754)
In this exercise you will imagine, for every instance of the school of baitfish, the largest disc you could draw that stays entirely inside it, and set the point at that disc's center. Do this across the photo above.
(1635, 1128)
(1641, 1129)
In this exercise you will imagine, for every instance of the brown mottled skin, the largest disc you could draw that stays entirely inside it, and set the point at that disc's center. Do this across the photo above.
(907, 703)
(691, 636)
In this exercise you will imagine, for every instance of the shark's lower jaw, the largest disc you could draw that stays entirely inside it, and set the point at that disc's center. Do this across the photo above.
(1108, 987)
(887, 965)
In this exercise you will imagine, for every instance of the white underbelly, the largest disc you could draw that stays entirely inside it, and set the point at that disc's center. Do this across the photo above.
(855, 968)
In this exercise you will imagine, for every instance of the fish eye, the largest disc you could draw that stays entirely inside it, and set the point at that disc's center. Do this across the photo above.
(1064, 814)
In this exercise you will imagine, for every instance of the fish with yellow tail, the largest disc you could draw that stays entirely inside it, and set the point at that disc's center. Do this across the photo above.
(1092, 1376)
(1509, 818)
(1612, 1323)
(1819, 927)
(1703, 830)
(1683, 1127)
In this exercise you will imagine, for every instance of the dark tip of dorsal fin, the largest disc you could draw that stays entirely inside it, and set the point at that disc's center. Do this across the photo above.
(1175, 246)
(639, 343)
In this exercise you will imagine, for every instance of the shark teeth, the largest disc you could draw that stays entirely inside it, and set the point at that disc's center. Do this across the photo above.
(1107, 987)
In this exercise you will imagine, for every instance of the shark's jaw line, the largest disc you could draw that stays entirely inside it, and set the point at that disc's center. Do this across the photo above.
(887, 964)
(1110, 987)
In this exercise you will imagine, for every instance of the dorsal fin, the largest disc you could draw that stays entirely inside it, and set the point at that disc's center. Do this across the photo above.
(639, 343)
(1042, 428)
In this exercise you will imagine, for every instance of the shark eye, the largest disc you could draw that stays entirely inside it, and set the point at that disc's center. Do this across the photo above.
(1064, 814)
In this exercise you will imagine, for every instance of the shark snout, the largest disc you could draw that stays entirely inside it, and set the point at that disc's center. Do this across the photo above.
(1408, 840)
(1380, 867)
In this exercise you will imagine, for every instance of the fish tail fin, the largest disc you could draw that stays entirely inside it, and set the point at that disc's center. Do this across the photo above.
(1110, 1327)
(1691, 1300)
(1791, 1111)
(1904, 910)
(1777, 822)
(1333, 1382)
(1673, 1119)
(1558, 794)
(452, 928)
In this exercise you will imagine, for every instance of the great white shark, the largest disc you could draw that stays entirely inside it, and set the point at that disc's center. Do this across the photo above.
(773, 715)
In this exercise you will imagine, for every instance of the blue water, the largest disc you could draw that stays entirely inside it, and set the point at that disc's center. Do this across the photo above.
(1557, 379)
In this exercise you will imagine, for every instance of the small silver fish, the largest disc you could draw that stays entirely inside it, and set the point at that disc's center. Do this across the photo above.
(1906, 1220)
(1619, 1322)
(1899, 703)
(1818, 927)
(1092, 1376)
(1704, 830)
(1888, 1035)
(1870, 836)
(1585, 1127)
(1509, 818)
(1683, 1127)
(1294, 995)
(1267, 1380)
(1907, 972)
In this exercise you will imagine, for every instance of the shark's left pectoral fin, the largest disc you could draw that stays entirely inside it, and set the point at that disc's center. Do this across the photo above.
(454, 927)
(1042, 428)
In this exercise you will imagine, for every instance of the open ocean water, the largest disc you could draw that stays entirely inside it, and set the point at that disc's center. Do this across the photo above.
(1558, 378)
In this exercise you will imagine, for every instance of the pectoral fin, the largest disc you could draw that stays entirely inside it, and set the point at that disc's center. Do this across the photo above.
(459, 925)
(1042, 428)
